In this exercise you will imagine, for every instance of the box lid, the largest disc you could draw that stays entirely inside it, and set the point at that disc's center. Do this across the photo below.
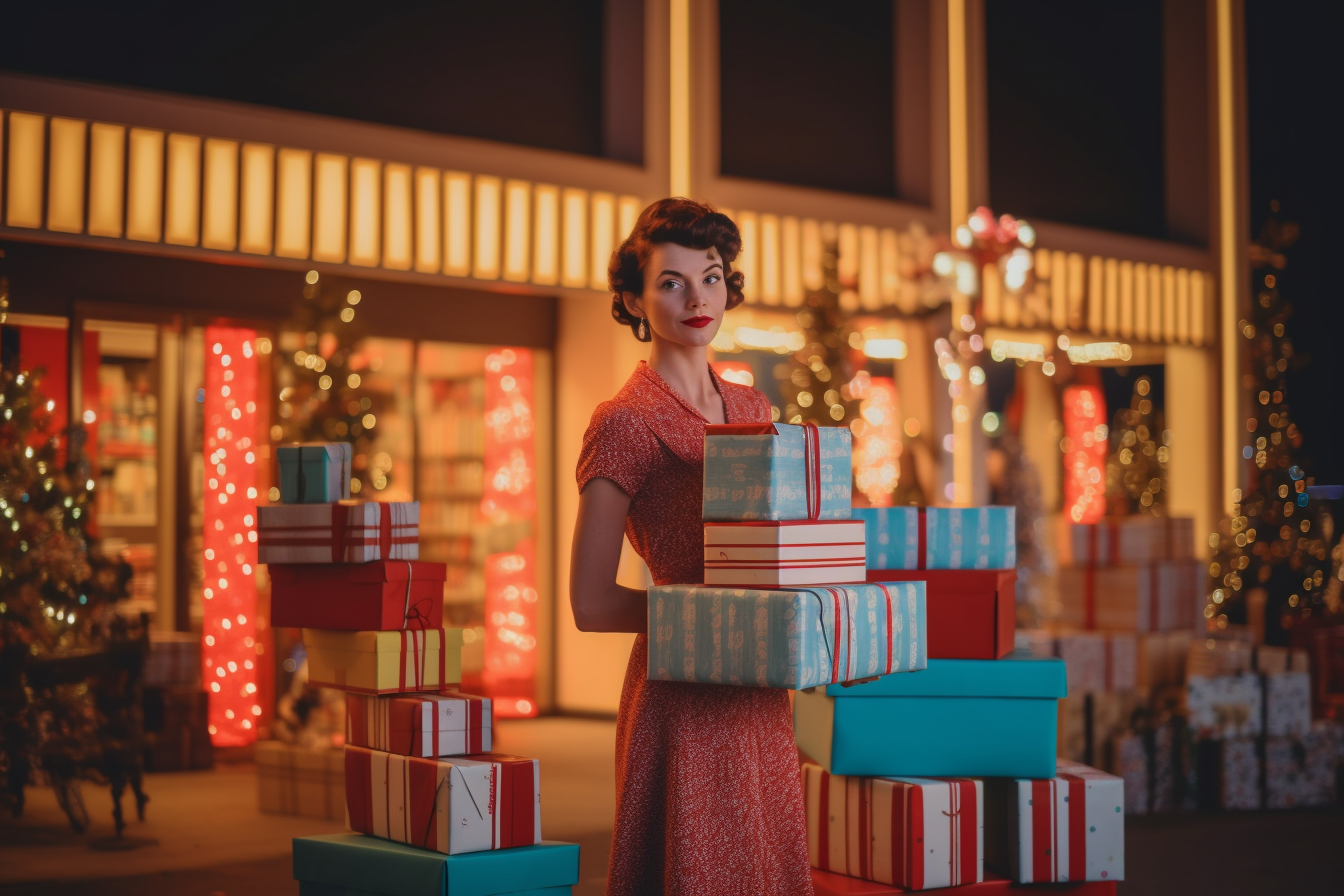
(1016, 675)
(376, 571)
(394, 869)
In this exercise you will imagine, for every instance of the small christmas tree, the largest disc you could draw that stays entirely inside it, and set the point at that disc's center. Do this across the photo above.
(321, 394)
(1268, 541)
(814, 387)
(1136, 471)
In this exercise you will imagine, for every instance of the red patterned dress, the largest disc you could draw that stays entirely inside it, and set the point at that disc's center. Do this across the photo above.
(708, 794)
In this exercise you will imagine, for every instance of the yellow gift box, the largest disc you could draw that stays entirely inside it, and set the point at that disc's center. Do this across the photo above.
(384, 662)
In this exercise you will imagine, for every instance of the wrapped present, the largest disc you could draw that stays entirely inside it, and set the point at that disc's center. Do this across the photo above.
(775, 471)
(789, 638)
(308, 888)
(940, 537)
(1270, 660)
(1099, 661)
(1225, 706)
(918, 833)
(174, 660)
(1287, 704)
(957, 718)
(1148, 598)
(1210, 657)
(304, 781)
(399, 662)
(345, 532)
(1301, 771)
(369, 865)
(972, 613)
(1117, 541)
(1131, 764)
(1067, 828)
(386, 595)
(177, 728)
(419, 724)
(456, 805)
(779, 553)
(828, 883)
(1229, 774)
(1160, 658)
(314, 472)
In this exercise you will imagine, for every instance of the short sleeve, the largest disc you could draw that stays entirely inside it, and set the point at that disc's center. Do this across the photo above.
(618, 446)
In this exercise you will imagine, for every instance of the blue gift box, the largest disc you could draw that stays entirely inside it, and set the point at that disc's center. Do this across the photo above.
(354, 862)
(957, 718)
(766, 471)
(309, 888)
(314, 472)
(946, 537)
(793, 638)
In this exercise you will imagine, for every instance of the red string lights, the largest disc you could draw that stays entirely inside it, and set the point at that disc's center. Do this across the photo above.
(229, 646)
(1085, 448)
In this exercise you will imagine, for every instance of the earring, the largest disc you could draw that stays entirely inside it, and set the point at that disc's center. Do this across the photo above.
(643, 332)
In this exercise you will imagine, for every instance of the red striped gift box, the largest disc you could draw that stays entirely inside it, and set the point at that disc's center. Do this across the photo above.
(344, 532)
(1068, 828)
(419, 724)
(789, 552)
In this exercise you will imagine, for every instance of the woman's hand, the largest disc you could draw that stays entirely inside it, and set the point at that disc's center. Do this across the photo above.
(599, 604)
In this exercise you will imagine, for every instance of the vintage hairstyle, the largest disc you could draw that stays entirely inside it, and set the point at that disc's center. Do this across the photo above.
(685, 222)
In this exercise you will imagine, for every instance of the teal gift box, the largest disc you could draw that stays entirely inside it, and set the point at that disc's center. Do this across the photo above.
(940, 537)
(792, 638)
(775, 471)
(308, 888)
(957, 718)
(314, 472)
(354, 863)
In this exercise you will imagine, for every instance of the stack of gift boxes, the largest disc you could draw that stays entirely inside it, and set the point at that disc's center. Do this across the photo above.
(428, 799)
(929, 746)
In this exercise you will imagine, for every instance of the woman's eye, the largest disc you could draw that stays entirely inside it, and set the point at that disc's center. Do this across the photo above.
(671, 284)
(712, 278)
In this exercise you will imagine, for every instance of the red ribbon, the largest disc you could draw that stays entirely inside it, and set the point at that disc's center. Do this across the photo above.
(923, 547)
(965, 810)
(1077, 858)
(865, 835)
(340, 531)
(422, 784)
(812, 461)
(824, 835)
(1042, 830)
(891, 645)
(359, 789)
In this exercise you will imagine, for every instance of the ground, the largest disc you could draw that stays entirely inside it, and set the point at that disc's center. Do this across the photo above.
(212, 841)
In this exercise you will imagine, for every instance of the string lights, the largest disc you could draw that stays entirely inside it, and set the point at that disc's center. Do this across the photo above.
(1085, 450)
(229, 644)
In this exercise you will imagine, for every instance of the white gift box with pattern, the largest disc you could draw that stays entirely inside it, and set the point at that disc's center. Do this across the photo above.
(1068, 828)
(345, 532)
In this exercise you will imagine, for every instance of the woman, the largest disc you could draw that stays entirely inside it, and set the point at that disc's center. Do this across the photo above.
(708, 796)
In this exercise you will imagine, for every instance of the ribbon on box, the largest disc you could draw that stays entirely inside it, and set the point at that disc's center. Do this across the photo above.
(1048, 862)
(963, 823)
(841, 622)
(340, 533)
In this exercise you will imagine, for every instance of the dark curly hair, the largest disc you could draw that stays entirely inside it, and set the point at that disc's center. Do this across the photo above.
(685, 222)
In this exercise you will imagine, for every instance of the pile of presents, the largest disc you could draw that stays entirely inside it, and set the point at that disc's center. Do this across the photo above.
(928, 744)
(434, 809)
(1189, 719)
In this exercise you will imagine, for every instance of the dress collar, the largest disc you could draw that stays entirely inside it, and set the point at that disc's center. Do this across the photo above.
(674, 420)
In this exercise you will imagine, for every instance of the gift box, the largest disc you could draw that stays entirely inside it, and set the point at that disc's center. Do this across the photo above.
(457, 805)
(1287, 704)
(307, 888)
(957, 718)
(346, 532)
(1117, 541)
(780, 553)
(174, 660)
(1270, 660)
(1099, 661)
(775, 471)
(828, 883)
(1301, 771)
(1131, 764)
(386, 595)
(940, 537)
(1152, 597)
(370, 662)
(1226, 706)
(304, 781)
(1229, 774)
(314, 472)
(369, 865)
(1161, 658)
(972, 613)
(789, 638)
(177, 729)
(918, 833)
(1210, 657)
(1070, 827)
(419, 724)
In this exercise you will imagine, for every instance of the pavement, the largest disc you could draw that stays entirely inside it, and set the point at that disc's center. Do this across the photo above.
(204, 836)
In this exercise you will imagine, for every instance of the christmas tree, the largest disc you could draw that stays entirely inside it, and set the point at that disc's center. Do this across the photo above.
(320, 380)
(1136, 471)
(1268, 542)
(814, 388)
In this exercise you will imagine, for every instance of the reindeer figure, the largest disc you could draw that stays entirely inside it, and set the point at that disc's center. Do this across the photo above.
(118, 695)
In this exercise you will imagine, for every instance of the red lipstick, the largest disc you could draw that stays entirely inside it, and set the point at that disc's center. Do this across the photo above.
(698, 322)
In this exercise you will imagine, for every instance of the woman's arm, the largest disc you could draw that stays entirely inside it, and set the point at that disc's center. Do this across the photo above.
(599, 604)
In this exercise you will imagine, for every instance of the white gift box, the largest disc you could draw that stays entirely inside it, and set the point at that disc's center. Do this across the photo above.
(1225, 706)
(1287, 704)
(780, 553)
(419, 724)
(344, 532)
(1068, 828)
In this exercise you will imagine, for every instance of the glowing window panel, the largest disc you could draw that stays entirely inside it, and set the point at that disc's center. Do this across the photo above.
(397, 217)
(182, 224)
(791, 255)
(65, 186)
(365, 199)
(769, 286)
(748, 258)
(604, 238)
(1085, 446)
(232, 429)
(517, 229)
(27, 142)
(144, 186)
(329, 207)
(427, 216)
(457, 224)
(489, 218)
(219, 209)
(574, 237)
(294, 203)
(107, 179)
(546, 243)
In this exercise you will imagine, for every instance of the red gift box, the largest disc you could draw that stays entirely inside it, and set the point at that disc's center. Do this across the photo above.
(972, 613)
(463, 804)
(419, 724)
(383, 596)
(826, 883)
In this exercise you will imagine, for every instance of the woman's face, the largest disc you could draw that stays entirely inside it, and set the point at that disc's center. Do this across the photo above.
(684, 294)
